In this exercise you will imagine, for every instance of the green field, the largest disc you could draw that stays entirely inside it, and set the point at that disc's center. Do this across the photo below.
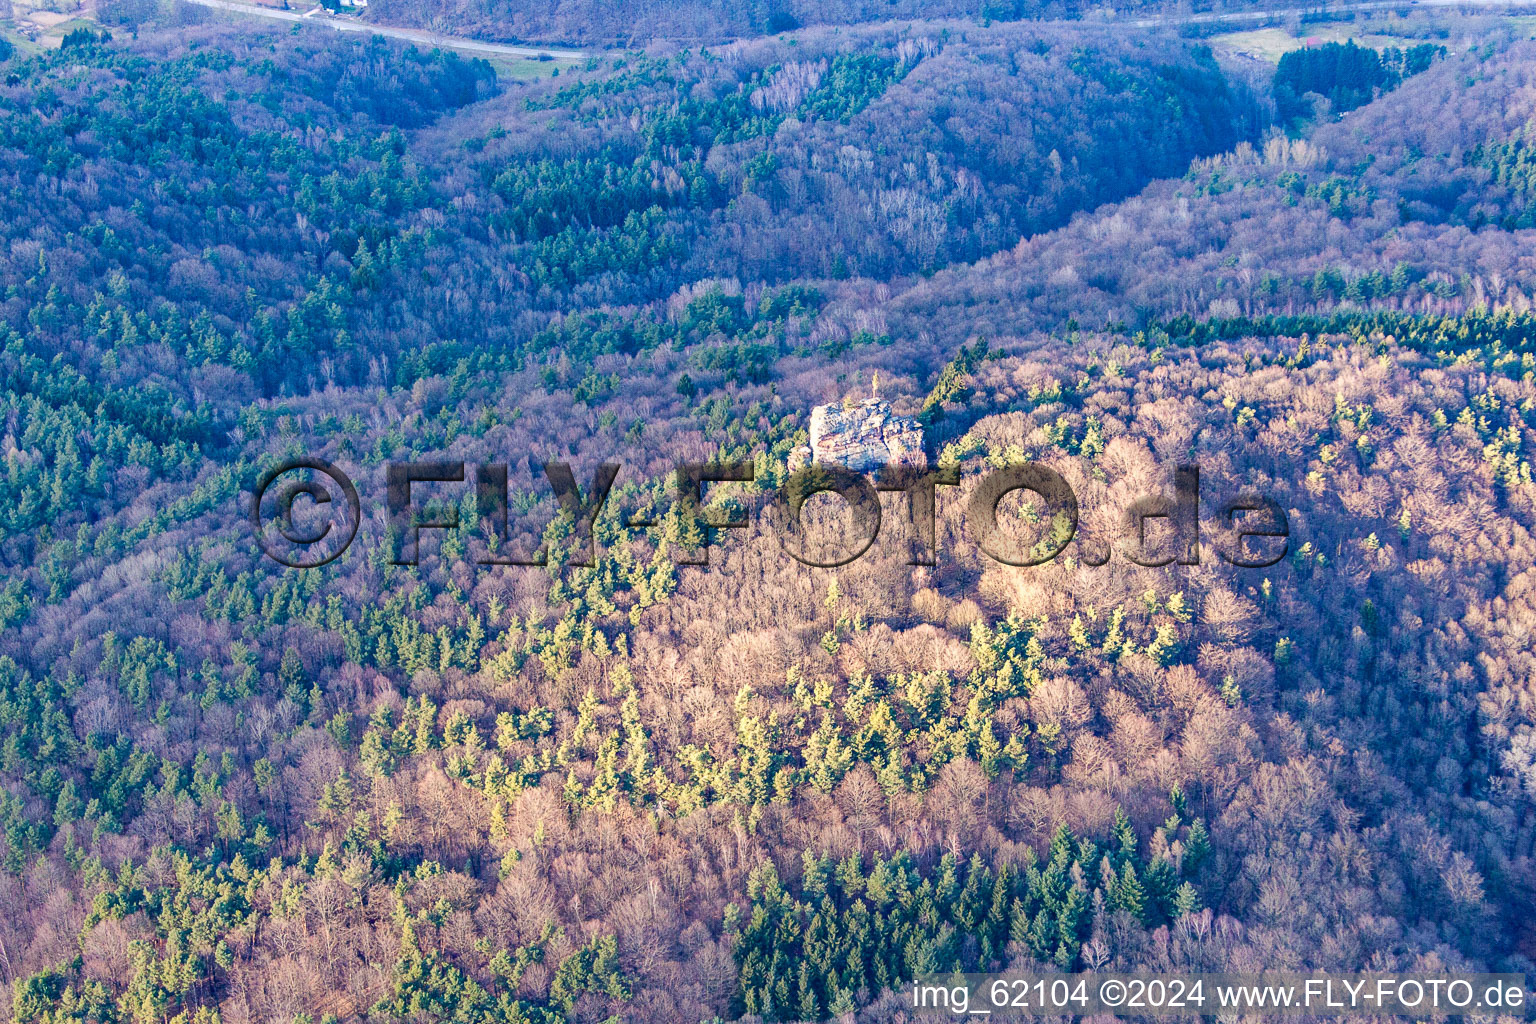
(64, 28)
(1525, 24)
(1271, 43)
(529, 68)
(22, 43)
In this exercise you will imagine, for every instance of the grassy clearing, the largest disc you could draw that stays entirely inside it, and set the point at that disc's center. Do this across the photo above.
(527, 69)
(25, 47)
(1270, 44)
(33, 30)
(1524, 25)
(55, 34)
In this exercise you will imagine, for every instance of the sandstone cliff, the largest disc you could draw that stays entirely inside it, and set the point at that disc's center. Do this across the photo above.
(863, 437)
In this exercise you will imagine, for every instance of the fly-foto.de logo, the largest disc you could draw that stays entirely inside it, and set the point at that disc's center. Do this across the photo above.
(305, 513)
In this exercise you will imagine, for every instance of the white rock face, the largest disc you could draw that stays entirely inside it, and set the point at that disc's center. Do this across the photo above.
(865, 437)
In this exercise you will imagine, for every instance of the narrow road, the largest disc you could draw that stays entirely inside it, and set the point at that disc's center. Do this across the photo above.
(411, 35)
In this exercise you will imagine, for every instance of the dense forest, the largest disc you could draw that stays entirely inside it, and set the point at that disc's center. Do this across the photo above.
(408, 790)
(1345, 74)
(639, 22)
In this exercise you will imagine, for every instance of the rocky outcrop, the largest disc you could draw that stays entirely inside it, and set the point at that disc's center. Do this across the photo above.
(863, 437)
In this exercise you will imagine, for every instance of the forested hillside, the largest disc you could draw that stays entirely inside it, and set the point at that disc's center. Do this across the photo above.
(636, 23)
(642, 790)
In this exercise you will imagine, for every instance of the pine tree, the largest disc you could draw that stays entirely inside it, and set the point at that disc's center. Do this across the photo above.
(1062, 843)
(815, 872)
(1160, 883)
(809, 1007)
(1124, 837)
(948, 885)
(1043, 937)
(1073, 919)
(1018, 922)
(994, 931)
(892, 774)
(781, 998)
(989, 752)
(850, 876)
(572, 790)
(1186, 900)
(1129, 895)
(970, 905)
(1197, 847)
(290, 673)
